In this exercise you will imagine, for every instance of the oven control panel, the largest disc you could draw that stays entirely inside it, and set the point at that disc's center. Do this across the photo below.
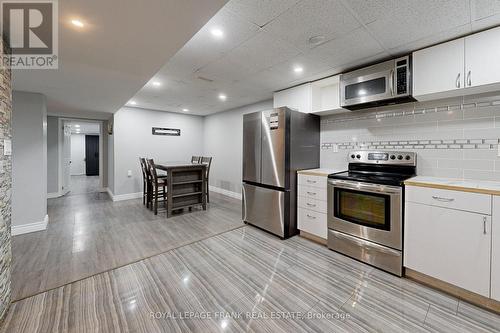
(383, 157)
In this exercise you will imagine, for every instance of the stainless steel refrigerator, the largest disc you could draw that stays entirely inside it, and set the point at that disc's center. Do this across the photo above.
(276, 143)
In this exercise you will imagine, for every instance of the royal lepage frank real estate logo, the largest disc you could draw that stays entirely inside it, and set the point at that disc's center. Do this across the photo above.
(31, 30)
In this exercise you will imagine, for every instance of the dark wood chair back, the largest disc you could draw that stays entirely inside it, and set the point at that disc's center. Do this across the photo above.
(144, 168)
(207, 161)
(196, 159)
(152, 170)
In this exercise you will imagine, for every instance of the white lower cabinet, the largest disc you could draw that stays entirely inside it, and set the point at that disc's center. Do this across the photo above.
(311, 205)
(495, 250)
(449, 244)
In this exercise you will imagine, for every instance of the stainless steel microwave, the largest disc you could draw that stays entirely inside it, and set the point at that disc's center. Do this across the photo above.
(385, 83)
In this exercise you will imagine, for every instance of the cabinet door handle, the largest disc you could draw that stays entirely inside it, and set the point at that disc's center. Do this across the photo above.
(311, 193)
(310, 204)
(311, 217)
(442, 199)
(311, 181)
(457, 82)
(391, 82)
(469, 80)
(484, 224)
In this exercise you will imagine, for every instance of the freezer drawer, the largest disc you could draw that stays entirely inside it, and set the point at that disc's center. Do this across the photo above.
(265, 208)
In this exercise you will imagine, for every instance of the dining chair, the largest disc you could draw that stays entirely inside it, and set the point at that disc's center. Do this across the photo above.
(208, 162)
(145, 181)
(196, 159)
(158, 186)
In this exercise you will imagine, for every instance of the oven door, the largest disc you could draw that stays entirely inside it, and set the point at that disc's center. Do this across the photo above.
(369, 211)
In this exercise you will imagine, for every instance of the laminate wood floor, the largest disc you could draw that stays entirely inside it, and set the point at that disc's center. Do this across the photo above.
(89, 234)
(246, 280)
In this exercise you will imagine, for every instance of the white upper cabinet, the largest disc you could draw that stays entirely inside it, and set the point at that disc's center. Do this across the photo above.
(321, 97)
(297, 98)
(495, 250)
(326, 96)
(482, 58)
(461, 67)
(438, 69)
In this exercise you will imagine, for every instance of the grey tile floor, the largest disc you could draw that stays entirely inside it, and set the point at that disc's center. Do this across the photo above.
(89, 234)
(84, 184)
(245, 280)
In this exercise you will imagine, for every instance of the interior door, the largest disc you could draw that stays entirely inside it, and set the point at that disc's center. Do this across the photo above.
(252, 147)
(92, 155)
(274, 147)
(66, 158)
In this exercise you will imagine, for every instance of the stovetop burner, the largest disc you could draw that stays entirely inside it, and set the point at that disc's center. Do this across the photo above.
(386, 168)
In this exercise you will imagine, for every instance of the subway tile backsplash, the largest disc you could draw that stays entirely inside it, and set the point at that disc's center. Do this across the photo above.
(456, 137)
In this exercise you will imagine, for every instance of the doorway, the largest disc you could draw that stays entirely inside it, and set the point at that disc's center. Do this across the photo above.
(80, 159)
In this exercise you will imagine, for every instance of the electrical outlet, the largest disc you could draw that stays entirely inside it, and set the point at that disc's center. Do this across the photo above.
(335, 148)
(129, 173)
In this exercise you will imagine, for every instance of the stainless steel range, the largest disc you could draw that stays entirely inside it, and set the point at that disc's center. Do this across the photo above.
(365, 208)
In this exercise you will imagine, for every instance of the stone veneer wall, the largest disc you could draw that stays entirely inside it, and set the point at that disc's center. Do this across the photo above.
(5, 186)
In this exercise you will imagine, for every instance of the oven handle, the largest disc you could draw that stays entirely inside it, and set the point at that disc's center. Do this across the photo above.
(365, 244)
(365, 186)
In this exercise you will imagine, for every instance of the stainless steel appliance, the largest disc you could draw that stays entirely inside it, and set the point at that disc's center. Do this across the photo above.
(388, 82)
(276, 143)
(365, 208)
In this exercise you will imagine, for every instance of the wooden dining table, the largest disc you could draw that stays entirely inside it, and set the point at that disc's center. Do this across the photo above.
(186, 186)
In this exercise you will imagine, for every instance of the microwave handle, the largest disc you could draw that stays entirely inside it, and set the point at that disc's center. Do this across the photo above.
(391, 82)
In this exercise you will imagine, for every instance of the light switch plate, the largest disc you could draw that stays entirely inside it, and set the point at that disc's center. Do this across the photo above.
(7, 147)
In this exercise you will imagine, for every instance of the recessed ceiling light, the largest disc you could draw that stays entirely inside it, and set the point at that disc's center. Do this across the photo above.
(298, 69)
(132, 103)
(216, 32)
(77, 23)
(185, 110)
(77, 126)
(156, 83)
(222, 97)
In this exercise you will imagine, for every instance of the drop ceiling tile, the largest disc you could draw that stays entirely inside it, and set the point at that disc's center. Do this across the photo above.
(486, 23)
(432, 40)
(312, 62)
(260, 12)
(261, 52)
(204, 48)
(401, 22)
(349, 48)
(328, 18)
(484, 8)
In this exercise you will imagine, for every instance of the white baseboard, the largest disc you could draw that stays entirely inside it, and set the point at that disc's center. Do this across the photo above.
(30, 227)
(54, 195)
(227, 193)
(122, 197)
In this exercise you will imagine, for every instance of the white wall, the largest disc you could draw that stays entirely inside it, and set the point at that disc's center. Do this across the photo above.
(77, 154)
(52, 155)
(223, 140)
(29, 158)
(133, 139)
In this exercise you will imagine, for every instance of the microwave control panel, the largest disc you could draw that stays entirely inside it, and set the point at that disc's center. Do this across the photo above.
(402, 76)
